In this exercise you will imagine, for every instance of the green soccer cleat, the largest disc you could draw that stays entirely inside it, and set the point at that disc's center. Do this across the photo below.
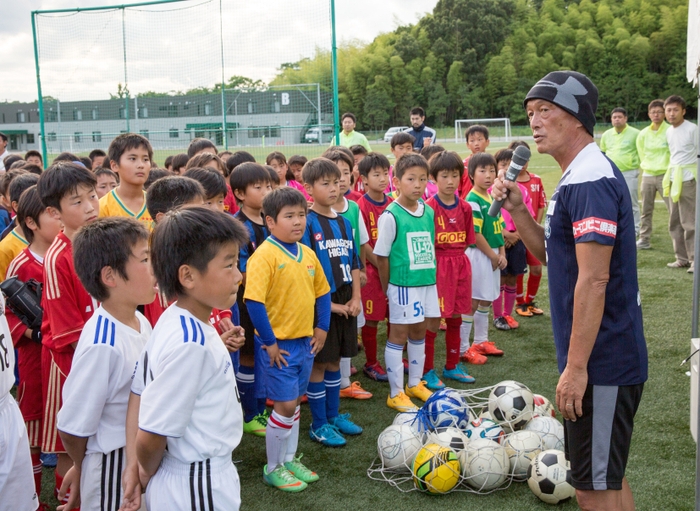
(256, 426)
(300, 471)
(283, 479)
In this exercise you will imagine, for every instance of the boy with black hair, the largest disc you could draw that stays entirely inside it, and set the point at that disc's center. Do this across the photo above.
(201, 145)
(179, 163)
(331, 238)
(34, 157)
(171, 192)
(187, 433)
(168, 164)
(250, 183)
(288, 298)
(14, 238)
(358, 152)
(374, 171)
(130, 156)
(32, 169)
(40, 230)
(112, 261)
(401, 143)
(65, 156)
(68, 191)
(237, 158)
(214, 184)
(97, 157)
(477, 138)
(206, 159)
(153, 176)
(405, 254)
(86, 162)
(106, 181)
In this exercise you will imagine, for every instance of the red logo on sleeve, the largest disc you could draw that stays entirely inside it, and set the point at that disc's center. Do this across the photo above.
(595, 225)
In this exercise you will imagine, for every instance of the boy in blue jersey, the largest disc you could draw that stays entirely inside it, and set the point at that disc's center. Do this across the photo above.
(250, 183)
(330, 235)
(286, 285)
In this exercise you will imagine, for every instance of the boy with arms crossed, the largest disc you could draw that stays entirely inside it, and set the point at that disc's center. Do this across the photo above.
(406, 263)
(111, 258)
(286, 285)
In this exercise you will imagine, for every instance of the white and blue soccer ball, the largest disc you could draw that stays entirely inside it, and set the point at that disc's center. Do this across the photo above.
(446, 408)
(397, 446)
(485, 428)
(511, 404)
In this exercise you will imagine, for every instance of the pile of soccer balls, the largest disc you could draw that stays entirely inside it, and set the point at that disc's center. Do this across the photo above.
(463, 440)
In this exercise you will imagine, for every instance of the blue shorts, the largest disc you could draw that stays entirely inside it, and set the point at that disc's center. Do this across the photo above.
(289, 382)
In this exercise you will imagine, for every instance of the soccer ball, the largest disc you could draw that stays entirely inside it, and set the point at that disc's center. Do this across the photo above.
(485, 464)
(411, 420)
(485, 414)
(549, 477)
(449, 437)
(522, 447)
(511, 405)
(543, 406)
(550, 429)
(436, 469)
(446, 408)
(397, 446)
(485, 428)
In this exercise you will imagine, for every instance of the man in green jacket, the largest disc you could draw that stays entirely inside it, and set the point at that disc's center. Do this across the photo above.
(349, 137)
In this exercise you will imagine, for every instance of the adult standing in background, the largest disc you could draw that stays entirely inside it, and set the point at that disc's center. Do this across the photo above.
(424, 136)
(588, 242)
(619, 143)
(4, 153)
(348, 136)
(652, 148)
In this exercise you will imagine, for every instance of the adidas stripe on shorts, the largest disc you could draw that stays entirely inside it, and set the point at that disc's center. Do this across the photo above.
(16, 474)
(410, 305)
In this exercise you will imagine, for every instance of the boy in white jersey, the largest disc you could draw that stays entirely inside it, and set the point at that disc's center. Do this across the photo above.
(190, 417)
(111, 259)
(16, 477)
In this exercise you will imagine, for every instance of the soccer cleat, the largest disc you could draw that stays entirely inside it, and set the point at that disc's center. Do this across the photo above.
(472, 357)
(643, 244)
(343, 423)
(256, 426)
(501, 323)
(327, 435)
(511, 322)
(534, 309)
(419, 391)
(459, 373)
(401, 403)
(300, 471)
(375, 372)
(283, 479)
(432, 381)
(355, 391)
(487, 348)
(678, 264)
(524, 310)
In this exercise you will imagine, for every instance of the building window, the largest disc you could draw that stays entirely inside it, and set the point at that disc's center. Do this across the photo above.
(207, 109)
(172, 110)
(30, 138)
(77, 115)
(122, 112)
(97, 136)
(252, 107)
(21, 117)
(51, 116)
(51, 136)
(78, 136)
(264, 131)
(174, 133)
(144, 133)
(143, 112)
(95, 114)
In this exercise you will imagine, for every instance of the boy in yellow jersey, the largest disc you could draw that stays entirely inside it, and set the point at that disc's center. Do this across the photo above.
(130, 156)
(15, 241)
(285, 286)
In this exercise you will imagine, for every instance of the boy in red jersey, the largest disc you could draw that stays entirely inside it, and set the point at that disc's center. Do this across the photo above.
(68, 192)
(40, 230)
(374, 171)
(454, 232)
(477, 137)
(526, 303)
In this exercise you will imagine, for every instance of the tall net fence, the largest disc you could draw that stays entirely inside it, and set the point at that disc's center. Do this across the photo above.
(180, 69)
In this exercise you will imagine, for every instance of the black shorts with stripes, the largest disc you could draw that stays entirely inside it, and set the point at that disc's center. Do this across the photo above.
(598, 443)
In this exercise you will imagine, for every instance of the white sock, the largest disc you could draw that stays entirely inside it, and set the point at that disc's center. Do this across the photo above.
(481, 324)
(293, 440)
(416, 361)
(465, 331)
(393, 357)
(277, 434)
(345, 372)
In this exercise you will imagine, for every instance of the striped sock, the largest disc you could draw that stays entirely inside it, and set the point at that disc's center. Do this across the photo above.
(293, 440)
(332, 382)
(245, 379)
(279, 429)
(416, 361)
(394, 367)
(36, 467)
(316, 392)
(481, 324)
(465, 331)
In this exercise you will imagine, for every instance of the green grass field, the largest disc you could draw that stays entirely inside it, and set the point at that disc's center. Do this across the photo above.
(661, 467)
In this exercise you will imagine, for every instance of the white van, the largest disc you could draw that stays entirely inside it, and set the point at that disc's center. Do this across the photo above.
(319, 135)
(393, 131)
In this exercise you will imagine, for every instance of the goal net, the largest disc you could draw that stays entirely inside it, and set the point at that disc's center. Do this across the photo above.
(236, 73)
(499, 128)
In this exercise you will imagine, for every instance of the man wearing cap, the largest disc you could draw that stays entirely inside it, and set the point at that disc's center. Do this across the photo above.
(588, 242)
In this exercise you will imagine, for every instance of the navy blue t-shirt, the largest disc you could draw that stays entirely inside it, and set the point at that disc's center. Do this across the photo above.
(592, 204)
(332, 241)
(257, 233)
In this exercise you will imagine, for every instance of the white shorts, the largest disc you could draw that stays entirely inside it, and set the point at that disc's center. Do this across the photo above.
(410, 305)
(16, 474)
(486, 282)
(361, 319)
(101, 481)
(201, 486)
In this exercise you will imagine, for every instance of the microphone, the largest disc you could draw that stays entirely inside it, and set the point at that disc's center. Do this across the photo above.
(521, 156)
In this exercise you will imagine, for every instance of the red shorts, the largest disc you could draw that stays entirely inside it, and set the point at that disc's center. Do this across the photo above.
(55, 366)
(373, 298)
(29, 389)
(454, 284)
(532, 260)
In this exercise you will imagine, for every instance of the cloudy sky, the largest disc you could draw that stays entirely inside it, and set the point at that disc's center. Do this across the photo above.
(81, 55)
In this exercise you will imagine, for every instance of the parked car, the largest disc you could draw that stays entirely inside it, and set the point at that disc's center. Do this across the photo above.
(393, 131)
(319, 135)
